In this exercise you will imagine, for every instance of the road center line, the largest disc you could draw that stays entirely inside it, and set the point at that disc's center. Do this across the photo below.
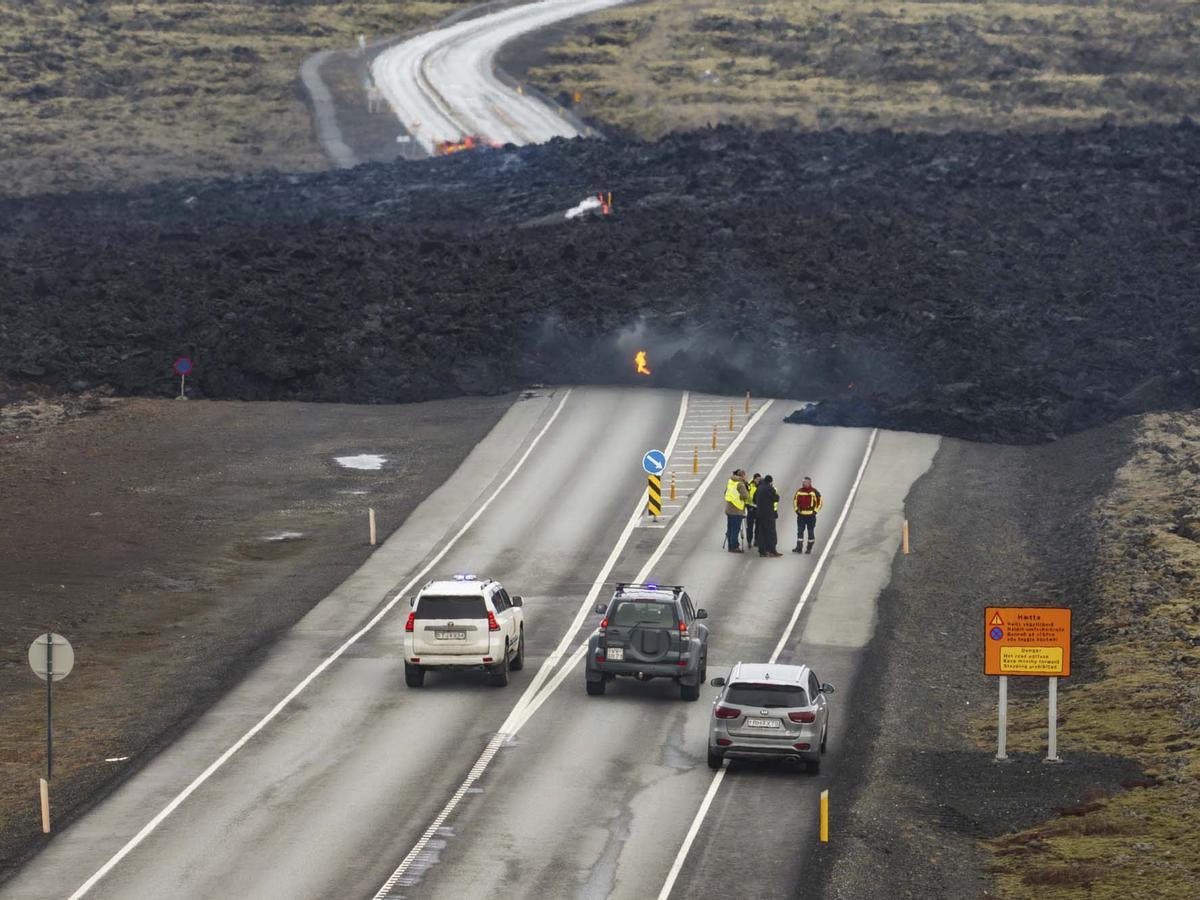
(719, 776)
(533, 697)
(325, 664)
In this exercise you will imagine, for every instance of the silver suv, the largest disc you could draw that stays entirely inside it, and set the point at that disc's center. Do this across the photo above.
(769, 711)
(649, 631)
(464, 623)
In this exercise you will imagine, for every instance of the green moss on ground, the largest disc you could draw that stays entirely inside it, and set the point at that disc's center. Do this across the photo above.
(123, 93)
(668, 64)
(1144, 840)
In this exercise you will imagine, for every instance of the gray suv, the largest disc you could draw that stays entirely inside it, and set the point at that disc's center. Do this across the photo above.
(769, 711)
(649, 631)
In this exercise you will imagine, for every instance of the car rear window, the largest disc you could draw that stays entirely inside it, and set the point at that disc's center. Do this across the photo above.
(766, 696)
(628, 613)
(434, 607)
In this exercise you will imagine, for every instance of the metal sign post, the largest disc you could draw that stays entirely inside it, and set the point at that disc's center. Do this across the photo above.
(51, 658)
(183, 366)
(1027, 641)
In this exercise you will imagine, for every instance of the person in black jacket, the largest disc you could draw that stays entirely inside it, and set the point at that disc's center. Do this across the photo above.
(766, 501)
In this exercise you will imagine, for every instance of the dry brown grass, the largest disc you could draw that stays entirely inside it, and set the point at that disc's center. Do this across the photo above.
(671, 64)
(120, 93)
(1146, 839)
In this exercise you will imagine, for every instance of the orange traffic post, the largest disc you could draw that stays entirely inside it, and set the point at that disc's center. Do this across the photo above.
(714, 437)
(731, 417)
(904, 537)
(695, 459)
(747, 403)
(825, 816)
(672, 485)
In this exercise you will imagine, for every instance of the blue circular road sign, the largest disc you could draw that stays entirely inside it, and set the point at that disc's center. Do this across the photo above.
(183, 366)
(654, 462)
(996, 633)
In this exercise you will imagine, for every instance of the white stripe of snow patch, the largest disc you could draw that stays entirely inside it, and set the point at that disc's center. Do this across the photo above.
(362, 461)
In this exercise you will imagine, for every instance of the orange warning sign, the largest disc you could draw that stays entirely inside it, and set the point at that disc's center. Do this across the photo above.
(1027, 640)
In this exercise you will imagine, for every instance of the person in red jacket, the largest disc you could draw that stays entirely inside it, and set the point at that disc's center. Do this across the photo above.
(807, 503)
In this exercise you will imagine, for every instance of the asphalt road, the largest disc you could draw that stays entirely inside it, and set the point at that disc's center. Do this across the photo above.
(357, 786)
(442, 84)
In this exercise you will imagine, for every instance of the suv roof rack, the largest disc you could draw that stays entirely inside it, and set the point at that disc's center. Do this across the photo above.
(649, 586)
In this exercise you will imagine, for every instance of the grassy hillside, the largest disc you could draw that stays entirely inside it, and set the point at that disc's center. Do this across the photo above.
(118, 93)
(673, 64)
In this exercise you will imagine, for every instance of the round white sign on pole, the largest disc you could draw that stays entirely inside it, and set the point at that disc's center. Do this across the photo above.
(40, 659)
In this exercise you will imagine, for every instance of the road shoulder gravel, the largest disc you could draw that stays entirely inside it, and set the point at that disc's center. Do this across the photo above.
(990, 525)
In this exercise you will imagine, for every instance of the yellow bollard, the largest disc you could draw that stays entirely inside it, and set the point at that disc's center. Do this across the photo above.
(825, 816)
(672, 485)
(747, 403)
(695, 459)
(731, 417)
(714, 437)
(904, 537)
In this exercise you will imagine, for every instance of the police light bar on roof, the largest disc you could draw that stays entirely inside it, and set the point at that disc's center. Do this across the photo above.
(464, 577)
(651, 585)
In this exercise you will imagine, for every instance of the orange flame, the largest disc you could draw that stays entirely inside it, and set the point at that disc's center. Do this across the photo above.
(639, 360)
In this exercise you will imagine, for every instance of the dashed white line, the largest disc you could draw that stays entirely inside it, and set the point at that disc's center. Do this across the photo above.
(719, 776)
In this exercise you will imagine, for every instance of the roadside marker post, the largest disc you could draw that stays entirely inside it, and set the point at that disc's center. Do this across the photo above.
(825, 816)
(371, 520)
(44, 791)
(653, 464)
(654, 496)
(672, 485)
(747, 403)
(1028, 641)
(714, 437)
(904, 537)
(695, 460)
(731, 417)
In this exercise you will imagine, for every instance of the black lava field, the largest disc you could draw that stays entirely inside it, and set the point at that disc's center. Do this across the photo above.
(995, 287)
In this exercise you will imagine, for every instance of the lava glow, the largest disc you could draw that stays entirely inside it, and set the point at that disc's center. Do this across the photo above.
(639, 360)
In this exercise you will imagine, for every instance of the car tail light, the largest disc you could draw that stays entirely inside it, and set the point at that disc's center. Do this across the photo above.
(604, 626)
(415, 659)
(682, 662)
(408, 626)
(493, 625)
(487, 659)
(802, 746)
(600, 657)
(683, 632)
(727, 712)
(803, 717)
(723, 742)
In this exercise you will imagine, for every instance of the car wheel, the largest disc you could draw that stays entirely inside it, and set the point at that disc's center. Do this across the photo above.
(689, 691)
(414, 676)
(518, 661)
(714, 760)
(498, 674)
(596, 688)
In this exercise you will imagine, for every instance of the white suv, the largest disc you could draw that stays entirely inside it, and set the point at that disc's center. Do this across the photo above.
(464, 623)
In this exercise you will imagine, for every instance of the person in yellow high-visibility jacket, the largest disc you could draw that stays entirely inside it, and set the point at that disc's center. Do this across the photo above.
(751, 509)
(737, 495)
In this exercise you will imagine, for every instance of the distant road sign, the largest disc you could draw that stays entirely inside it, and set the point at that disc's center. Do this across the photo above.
(1027, 640)
(41, 660)
(654, 462)
(183, 366)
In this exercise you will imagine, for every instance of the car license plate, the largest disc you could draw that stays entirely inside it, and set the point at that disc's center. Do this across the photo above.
(450, 635)
(762, 723)
(616, 654)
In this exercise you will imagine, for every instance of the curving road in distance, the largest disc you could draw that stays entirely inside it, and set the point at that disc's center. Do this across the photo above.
(443, 87)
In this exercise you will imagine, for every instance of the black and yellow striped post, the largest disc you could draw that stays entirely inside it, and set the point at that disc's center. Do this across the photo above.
(654, 495)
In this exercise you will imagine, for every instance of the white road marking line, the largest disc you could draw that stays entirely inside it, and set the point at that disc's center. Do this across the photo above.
(642, 575)
(677, 866)
(537, 695)
(292, 694)
(509, 727)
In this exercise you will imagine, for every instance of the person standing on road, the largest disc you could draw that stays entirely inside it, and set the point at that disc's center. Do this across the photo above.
(768, 505)
(751, 509)
(737, 495)
(806, 503)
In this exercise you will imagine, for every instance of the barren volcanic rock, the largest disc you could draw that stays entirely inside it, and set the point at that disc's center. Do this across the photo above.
(996, 287)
